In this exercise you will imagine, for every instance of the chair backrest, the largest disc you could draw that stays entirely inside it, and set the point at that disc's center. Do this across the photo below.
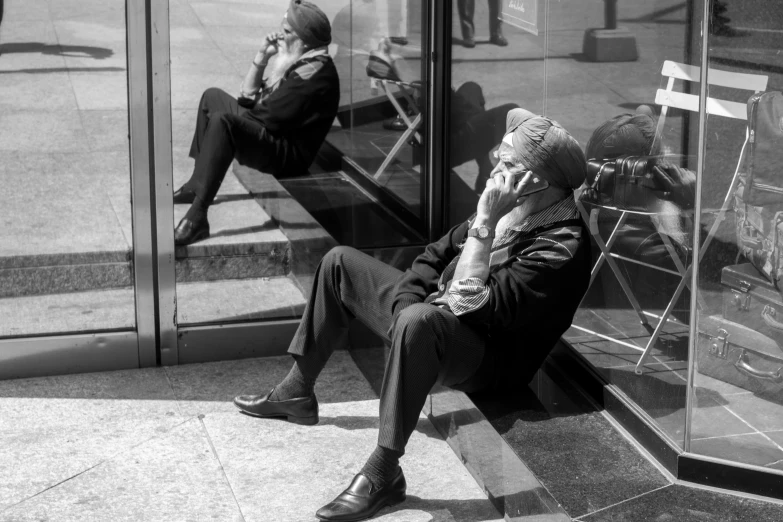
(690, 102)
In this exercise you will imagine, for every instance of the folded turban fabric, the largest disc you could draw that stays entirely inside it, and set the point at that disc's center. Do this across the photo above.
(625, 134)
(309, 23)
(546, 148)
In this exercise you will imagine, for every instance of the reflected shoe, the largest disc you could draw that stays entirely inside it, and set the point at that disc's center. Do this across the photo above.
(302, 410)
(188, 232)
(395, 124)
(360, 502)
(498, 39)
(184, 195)
(469, 42)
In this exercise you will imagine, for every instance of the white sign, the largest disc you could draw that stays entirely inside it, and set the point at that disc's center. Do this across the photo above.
(521, 13)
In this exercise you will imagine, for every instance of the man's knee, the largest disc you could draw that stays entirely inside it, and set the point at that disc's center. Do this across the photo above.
(210, 97)
(337, 256)
(418, 320)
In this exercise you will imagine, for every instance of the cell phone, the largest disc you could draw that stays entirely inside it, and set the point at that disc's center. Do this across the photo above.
(535, 184)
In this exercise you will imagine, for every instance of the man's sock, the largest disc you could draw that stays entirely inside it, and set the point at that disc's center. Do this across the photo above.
(382, 466)
(197, 211)
(295, 385)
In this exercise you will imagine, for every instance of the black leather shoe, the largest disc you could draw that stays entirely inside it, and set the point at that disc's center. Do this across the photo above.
(360, 502)
(498, 39)
(183, 195)
(302, 410)
(188, 232)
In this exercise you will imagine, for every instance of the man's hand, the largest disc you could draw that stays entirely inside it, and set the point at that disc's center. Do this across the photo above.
(501, 195)
(269, 48)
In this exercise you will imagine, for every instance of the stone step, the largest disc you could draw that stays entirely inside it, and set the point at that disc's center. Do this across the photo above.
(245, 243)
(113, 309)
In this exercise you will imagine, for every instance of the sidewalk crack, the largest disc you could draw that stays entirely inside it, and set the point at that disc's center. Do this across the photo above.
(104, 461)
(222, 469)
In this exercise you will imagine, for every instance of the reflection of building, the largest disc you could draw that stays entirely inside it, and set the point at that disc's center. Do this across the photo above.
(89, 280)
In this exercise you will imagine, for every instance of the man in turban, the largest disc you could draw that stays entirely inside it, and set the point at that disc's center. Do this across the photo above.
(482, 307)
(286, 105)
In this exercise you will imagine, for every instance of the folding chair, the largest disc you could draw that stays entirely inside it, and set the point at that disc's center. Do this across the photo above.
(385, 78)
(670, 98)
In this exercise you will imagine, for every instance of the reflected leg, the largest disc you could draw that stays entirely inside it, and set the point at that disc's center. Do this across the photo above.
(496, 24)
(466, 8)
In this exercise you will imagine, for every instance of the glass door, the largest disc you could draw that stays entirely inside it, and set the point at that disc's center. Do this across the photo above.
(75, 263)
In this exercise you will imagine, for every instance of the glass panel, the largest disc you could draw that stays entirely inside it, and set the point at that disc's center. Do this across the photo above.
(65, 220)
(487, 81)
(316, 162)
(601, 84)
(737, 397)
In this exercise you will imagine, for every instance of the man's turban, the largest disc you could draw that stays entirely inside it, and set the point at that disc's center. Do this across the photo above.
(309, 23)
(546, 148)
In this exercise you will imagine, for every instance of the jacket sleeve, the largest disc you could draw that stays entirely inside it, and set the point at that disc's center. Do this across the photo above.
(527, 290)
(421, 279)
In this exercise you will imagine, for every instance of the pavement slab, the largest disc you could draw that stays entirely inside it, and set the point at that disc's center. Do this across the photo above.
(303, 467)
(57, 427)
(173, 476)
(167, 444)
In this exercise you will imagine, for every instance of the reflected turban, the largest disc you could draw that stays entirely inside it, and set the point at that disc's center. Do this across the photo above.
(309, 23)
(546, 148)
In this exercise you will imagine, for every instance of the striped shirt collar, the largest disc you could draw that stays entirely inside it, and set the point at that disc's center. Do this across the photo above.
(560, 211)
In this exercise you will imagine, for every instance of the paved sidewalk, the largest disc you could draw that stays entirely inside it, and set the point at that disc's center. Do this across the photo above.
(166, 444)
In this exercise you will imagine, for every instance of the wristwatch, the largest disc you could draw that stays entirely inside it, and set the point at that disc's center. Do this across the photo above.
(481, 232)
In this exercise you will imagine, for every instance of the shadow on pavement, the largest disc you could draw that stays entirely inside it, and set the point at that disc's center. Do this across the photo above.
(98, 53)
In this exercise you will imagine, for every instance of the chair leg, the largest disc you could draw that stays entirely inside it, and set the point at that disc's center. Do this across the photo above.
(615, 268)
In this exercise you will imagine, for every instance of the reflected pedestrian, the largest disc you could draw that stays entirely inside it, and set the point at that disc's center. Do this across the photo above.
(466, 8)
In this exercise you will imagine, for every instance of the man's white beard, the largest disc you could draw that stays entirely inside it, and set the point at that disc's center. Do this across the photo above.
(281, 62)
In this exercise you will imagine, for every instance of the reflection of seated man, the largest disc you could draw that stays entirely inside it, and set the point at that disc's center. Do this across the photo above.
(276, 125)
(471, 312)
(634, 135)
(473, 130)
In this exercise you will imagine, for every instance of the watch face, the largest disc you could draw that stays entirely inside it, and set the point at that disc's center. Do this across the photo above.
(483, 232)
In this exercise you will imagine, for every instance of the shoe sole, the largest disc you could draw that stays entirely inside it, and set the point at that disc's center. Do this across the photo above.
(304, 421)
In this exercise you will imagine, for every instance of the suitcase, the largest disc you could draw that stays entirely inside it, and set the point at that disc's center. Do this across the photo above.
(752, 301)
(738, 355)
(743, 346)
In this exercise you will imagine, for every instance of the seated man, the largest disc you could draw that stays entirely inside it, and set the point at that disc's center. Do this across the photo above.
(277, 125)
(481, 307)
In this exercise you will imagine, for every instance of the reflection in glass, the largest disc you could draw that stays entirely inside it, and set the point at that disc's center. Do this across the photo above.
(638, 200)
(291, 139)
(737, 393)
(65, 234)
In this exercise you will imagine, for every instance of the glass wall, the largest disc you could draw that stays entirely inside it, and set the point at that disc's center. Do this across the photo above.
(270, 224)
(632, 325)
(737, 393)
(66, 238)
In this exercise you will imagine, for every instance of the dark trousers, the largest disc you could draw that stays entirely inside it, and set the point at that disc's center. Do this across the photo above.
(222, 135)
(429, 345)
(466, 8)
